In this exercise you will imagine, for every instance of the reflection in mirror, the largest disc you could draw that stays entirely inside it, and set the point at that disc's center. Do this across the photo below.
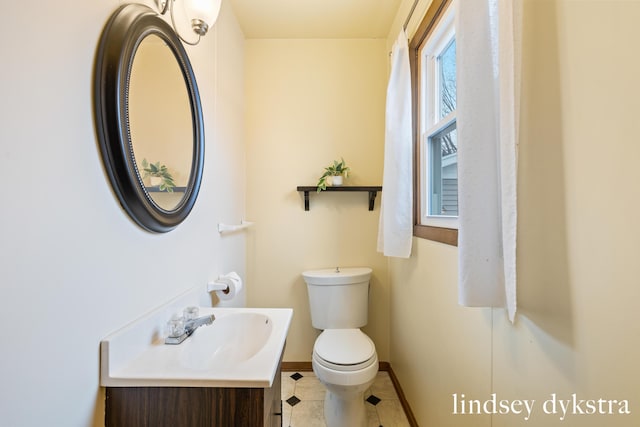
(160, 122)
(148, 118)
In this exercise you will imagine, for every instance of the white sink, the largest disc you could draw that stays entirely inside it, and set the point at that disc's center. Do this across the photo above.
(234, 338)
(241, 348)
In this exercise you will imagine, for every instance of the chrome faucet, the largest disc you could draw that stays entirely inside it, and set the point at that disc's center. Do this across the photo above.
(179, 333)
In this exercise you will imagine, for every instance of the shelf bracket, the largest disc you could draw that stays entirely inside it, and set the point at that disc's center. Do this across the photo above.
(372, 199)
(306, 200)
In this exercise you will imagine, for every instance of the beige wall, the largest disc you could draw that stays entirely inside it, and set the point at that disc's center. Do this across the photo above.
(310, 102)
(577, 329)
(73, 266)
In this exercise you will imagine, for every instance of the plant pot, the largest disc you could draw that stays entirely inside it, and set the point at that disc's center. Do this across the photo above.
(155, 181)
(336, 180)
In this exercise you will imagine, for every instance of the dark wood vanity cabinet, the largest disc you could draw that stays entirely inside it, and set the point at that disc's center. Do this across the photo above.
(194, 406)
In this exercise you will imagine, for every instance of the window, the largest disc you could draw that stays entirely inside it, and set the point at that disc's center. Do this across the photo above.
(434, 84)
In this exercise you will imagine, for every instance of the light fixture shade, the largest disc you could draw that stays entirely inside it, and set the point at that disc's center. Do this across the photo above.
(206, 10)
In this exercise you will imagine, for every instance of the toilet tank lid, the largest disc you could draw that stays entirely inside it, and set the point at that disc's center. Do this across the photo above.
(337, 276)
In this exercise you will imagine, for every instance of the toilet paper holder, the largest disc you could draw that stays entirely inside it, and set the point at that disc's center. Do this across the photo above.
(218, 285)
(226, 286)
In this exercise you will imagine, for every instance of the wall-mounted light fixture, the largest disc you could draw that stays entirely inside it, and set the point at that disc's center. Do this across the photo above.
(203, 14)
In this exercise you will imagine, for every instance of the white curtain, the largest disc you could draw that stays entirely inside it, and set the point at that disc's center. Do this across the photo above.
(395, 231)
(488, 44)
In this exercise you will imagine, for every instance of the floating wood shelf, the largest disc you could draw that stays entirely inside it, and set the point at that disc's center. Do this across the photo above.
(373, 192)
(156, 189)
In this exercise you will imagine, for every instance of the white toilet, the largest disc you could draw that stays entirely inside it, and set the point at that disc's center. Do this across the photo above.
(344, 358)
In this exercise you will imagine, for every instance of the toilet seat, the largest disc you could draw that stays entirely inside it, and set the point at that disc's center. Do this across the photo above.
(344, 349)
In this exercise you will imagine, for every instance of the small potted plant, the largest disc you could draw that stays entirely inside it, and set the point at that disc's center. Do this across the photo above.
(333, 174)
(159, 175)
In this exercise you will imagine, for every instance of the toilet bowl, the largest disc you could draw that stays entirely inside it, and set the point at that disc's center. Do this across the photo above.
(344, 358)
(346, 363)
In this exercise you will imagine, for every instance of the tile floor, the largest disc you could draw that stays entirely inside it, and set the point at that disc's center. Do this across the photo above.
(303, 399)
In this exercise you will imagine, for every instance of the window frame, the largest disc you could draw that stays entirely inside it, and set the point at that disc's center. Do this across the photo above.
(445, 233)
(432, 123)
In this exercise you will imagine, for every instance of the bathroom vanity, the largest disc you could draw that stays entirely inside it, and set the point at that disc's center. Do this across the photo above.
(224, 374)
(194, 406)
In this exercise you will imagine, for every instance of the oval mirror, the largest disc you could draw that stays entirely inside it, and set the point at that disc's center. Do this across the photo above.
(149, 118)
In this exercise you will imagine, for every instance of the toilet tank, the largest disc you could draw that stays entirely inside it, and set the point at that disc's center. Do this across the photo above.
(338, 298)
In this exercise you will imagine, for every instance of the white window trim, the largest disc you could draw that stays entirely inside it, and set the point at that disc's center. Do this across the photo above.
(429, 123)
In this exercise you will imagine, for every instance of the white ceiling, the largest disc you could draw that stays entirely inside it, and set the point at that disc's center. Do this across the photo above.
(315, 18)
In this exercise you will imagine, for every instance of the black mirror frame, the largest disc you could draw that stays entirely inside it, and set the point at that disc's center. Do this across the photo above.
(122, 35)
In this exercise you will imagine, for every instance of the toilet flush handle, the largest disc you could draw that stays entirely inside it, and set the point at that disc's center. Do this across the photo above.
(337, 269)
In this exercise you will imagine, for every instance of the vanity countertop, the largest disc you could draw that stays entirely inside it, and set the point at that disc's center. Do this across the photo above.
(241, 348)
